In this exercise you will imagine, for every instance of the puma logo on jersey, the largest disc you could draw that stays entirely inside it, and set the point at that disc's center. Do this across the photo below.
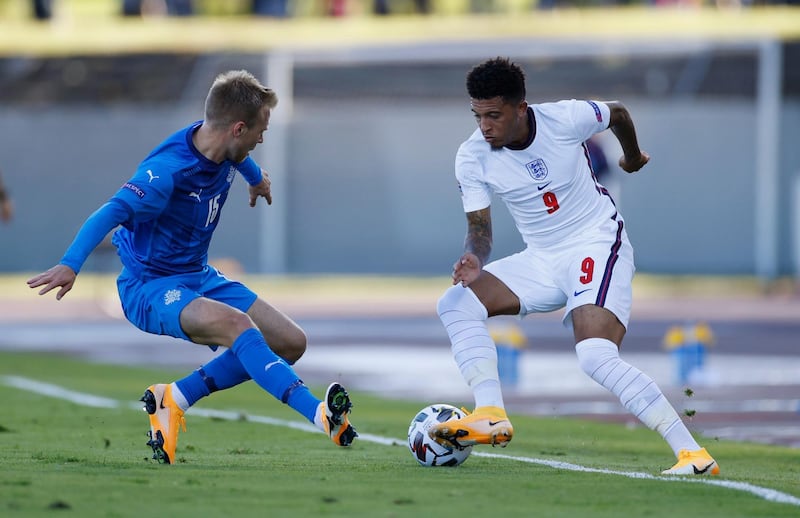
(196, 195)
(151, 175)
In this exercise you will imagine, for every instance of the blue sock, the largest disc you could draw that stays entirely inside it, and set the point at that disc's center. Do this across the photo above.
(273, 374)
(223, 372)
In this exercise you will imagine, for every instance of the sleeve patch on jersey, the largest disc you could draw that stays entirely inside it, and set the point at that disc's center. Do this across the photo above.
(597, 113)
(135, 189)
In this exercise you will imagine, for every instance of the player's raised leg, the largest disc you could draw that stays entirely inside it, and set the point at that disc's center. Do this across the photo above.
(464, 318)
(290, 343)
(639, 394)
(275, 376)
(599, 358)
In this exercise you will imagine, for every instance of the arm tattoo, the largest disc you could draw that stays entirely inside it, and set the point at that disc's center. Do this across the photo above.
(479, 234)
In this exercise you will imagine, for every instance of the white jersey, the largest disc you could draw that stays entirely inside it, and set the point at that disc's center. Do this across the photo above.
(548, 186)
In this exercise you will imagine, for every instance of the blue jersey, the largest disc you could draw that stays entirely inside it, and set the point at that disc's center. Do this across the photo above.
(167, 211)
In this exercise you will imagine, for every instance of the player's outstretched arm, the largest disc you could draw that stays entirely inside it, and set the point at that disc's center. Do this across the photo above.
(262, 189)
(59, 276)
(91, 233)
(621, 124)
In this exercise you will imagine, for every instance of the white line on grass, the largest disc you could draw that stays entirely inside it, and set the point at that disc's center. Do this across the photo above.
(79, 398)
(48, 389)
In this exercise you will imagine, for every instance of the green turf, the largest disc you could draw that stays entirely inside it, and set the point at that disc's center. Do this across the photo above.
(58, 455)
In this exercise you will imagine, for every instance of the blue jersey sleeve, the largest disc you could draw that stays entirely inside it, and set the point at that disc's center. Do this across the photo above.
(94, 229)
(250, 170)
(148, 192)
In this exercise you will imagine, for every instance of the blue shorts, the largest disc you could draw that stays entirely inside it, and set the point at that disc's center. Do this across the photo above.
(155, 306)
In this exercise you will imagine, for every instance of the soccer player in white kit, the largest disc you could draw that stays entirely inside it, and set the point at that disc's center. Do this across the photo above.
(577, 254)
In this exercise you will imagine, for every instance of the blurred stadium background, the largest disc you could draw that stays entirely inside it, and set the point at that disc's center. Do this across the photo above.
(373, 107)
(366, 218)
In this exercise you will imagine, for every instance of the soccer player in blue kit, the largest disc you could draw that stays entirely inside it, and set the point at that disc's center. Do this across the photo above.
(167, 213)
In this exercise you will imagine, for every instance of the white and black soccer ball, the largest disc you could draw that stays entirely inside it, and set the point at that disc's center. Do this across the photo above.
(427, 451)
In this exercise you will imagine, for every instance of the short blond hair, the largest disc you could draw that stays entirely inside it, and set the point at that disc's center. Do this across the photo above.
(235, 96)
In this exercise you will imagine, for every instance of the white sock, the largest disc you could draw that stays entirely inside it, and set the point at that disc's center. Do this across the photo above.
(319, 417)
(599, 358)
(474, 351)
(179, 398)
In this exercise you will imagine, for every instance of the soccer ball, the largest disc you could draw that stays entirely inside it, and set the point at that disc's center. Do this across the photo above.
(427, 451)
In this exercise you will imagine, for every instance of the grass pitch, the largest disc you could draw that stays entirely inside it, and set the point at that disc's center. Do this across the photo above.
(59, 454)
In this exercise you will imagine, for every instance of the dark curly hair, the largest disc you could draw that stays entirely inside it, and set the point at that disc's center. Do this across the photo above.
(497, 77)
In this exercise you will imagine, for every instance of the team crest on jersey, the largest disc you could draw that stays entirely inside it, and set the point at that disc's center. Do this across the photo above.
(231, 174)
(537, 169)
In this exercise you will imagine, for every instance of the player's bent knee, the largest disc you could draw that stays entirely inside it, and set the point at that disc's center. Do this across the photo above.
(594, 353)
(286, 339)
(460, 303)
(210, 322)
(229, 326)
(238, 322)
(295, 347)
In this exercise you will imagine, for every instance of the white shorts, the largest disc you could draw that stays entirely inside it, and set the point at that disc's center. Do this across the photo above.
(593, 268)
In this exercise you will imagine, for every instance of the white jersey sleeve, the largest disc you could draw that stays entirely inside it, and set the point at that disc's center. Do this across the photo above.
(475, 193)
(587, 117)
